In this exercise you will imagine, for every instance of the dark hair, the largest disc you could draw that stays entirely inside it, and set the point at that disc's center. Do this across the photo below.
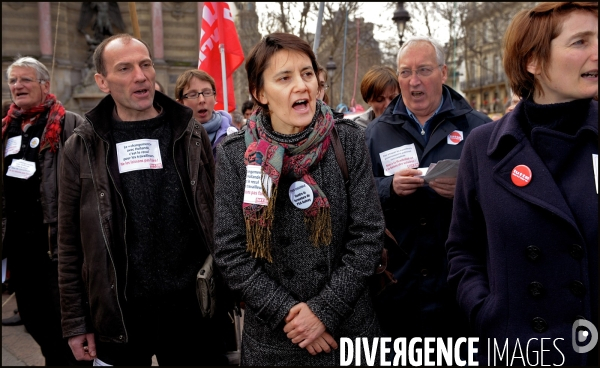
(529, 37)
(162, 89)
(376, 81)
(185, 79)
(99, 52)
(247, 105)
(260, 56)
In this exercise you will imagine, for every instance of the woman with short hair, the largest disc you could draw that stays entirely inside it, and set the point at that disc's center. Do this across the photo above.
(523, 242)
(291, 236)
(378, 88)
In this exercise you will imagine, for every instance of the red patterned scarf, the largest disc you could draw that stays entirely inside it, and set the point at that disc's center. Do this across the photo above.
(295, 160)
(53, 127)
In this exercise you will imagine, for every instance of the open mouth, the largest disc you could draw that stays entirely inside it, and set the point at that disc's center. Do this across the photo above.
(21, 94)
(202, 111)
(590, 74)
(417, 94)
(300, 105)
(141, 91)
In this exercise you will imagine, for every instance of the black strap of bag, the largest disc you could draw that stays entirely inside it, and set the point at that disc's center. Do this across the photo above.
(382, 278)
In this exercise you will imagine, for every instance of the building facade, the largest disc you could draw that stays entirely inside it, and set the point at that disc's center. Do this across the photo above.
(476, 58)
(49, 32)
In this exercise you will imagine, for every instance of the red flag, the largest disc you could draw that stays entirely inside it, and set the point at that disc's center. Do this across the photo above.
(218, 28)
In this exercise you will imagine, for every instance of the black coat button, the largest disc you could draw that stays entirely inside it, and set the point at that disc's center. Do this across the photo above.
(539, 324)
(576, 251)
(536, 289)
(577, 288)
(423, 221)
(533, 253)
(322, 268)
(424, 272)
(288, 274)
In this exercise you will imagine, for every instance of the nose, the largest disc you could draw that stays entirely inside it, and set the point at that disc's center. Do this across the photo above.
(414, 79)
(299, 84)
(139, 74)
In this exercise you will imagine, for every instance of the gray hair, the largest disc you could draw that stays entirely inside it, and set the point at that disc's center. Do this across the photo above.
(28, 62)
(237, 117)
(439, 51)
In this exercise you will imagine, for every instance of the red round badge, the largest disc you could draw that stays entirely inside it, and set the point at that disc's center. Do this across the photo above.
(521, 175)
(455, 137)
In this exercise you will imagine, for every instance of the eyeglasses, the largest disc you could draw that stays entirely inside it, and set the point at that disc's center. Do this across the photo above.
(325, 86)
(24, 81)
(424, 71)
(195, 95)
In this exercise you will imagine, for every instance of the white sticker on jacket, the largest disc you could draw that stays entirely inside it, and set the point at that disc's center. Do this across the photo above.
(253, 192)
(140, 154)
(396, 159)
(231, 130)
(13, 145)
(21, 169)
(595, 163)
(455, 137)
(301, 195)
(34, 142)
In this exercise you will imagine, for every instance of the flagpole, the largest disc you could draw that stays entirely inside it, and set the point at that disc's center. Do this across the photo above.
(318, 32)
(224, 76)
(134, 21)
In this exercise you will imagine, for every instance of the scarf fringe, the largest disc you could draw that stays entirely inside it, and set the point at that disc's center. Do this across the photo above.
(258, 230)
(320, 227)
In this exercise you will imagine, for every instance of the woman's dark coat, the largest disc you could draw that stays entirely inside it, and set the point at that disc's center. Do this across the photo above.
(330, 279)
(525, 259)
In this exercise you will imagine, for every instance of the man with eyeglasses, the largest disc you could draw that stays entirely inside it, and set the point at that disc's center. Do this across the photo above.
(136, 222)
(196, 89)
(33, 135)
(426, 123)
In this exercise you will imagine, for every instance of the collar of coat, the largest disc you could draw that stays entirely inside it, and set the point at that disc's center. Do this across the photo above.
(508, 129)
(176, 114)
(454, 105)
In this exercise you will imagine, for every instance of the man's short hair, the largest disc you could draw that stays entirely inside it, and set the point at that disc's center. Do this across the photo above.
(41, 71)
(99, 52)
(186, 77)
(237, 117)
(439, 50)
(247, 105)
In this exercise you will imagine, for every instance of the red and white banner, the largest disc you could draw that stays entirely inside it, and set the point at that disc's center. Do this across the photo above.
(218, 28)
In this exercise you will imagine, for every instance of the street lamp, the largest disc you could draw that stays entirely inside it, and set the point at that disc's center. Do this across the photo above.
(331, 67)
(400, 18)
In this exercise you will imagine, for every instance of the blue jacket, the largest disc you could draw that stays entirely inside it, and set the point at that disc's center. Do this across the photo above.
(525, 259)
(420, 303)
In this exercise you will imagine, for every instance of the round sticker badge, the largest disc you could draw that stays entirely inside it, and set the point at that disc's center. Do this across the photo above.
(301, 195)
(34, 142)
(521, 175)
(455, 137)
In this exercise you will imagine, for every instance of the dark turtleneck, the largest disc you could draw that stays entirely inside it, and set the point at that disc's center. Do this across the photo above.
(565, 117)
(556, 134)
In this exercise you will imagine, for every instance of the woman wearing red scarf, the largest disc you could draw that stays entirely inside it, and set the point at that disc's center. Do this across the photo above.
(33, 134)
(291, 237)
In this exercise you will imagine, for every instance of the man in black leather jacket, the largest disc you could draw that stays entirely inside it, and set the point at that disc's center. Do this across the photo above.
(136, 222)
